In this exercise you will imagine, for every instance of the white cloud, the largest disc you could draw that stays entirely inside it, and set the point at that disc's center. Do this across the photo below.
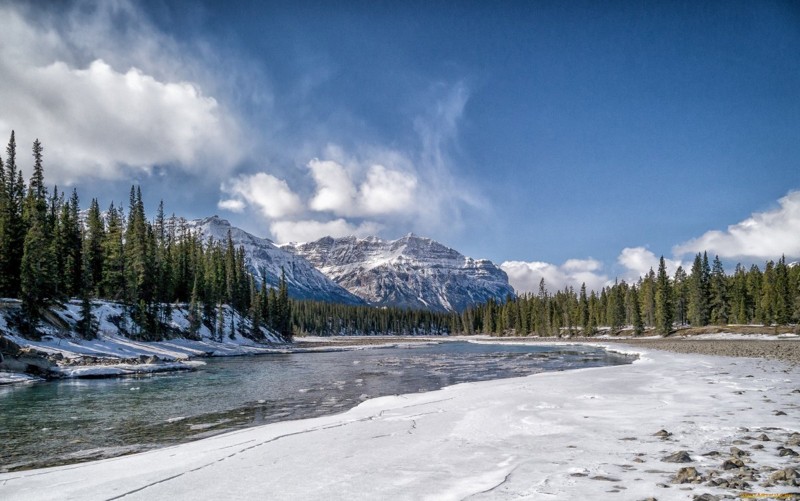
(335, 190)
(233, 205)
(270, 195)
(764, 235)
(387, 191)
(309, 230)
(99, 118)
(382, 191)
(639, 260)
(525, 276)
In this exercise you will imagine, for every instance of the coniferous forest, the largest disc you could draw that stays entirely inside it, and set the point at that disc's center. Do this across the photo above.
(704, 296)
(50, 252)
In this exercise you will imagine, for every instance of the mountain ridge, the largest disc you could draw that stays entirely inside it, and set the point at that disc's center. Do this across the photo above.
(411, 271)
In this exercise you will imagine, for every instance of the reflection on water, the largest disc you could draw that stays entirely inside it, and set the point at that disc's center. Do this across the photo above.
(77, 420)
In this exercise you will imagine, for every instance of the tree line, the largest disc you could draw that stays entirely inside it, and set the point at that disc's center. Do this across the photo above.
(706, 295)
(51, 252)
(325, 319)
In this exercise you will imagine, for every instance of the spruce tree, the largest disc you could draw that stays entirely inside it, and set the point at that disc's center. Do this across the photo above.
(13, 225)
(636, 316)
(36, 277)
(699, 291)
(93, 249)
(680, 288)
(719, 312)
(664, 306)
(113, 284)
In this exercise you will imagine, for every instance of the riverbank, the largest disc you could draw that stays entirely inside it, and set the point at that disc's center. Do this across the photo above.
(591, 433)
(59, 352)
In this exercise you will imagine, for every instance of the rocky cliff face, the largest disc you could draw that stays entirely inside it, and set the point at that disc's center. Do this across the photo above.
(264, 257)
(411, 272)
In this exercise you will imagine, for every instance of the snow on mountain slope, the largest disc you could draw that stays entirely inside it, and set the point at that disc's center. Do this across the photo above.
(263, 256)
(412, 271)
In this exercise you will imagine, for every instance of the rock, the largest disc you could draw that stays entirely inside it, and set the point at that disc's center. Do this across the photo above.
(605, 478)
(662, 434)
(784, 475)
(732, 464)
(712, 454)
(678, 457)
(737, 452)
(638, 460)
(686, 475)
(780, 413)
(794, 439)
(763, 437)
(787, 452)
(706, 497)
(739, 442)
(757, 446)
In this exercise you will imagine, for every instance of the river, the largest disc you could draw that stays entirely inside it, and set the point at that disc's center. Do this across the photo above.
(69, 421)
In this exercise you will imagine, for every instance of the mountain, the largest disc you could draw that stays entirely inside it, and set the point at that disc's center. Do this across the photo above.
(261, 255)
(411, 272)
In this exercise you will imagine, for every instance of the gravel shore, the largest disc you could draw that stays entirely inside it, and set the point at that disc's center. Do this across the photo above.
(785, 350)
(788, 351)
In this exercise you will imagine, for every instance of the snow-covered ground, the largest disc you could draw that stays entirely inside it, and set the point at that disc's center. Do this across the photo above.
(585, 434)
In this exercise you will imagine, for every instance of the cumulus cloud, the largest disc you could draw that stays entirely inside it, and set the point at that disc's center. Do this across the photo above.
(763, 235)
(309, 230)
(335, 190)
(270, 195)
(525, 276)
(383, 191)
(640, 260)
(100, 118)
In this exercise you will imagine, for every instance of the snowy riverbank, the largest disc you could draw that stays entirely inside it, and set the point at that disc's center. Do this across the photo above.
(587, 434)
(62, 353)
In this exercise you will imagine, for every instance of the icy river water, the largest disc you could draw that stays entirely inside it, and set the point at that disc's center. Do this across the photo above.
(77, 420)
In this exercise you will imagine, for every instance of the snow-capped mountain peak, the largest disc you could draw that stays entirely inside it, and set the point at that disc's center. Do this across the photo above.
(262, 256)
(412, 271)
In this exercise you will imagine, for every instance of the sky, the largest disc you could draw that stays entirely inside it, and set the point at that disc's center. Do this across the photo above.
(570, 141)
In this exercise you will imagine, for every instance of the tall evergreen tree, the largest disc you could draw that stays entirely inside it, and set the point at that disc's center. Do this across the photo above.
(718, 289)
(636, 316)
(13, 225)
(664, 306)
(680, 288)
(699, 291)
(93, 248)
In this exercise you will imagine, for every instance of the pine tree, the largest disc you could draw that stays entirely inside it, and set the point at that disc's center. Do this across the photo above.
(583, 301)
(719, 294)
(87, 324)
(680, 288)
(648, 298)
(36, 275)
(615, 308)
(664, 306)
(13, 225)
(93, 249)
(636, 316)
(699, 291)
(113, 284)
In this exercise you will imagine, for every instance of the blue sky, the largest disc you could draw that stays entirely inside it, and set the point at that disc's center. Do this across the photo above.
(572, 141)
